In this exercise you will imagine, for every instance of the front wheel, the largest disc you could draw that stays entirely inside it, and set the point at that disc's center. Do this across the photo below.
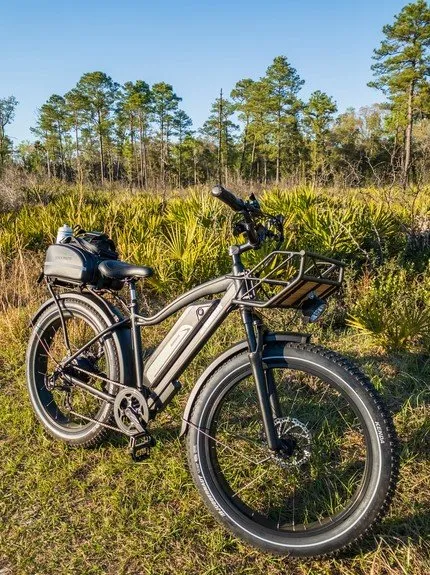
(335, 474)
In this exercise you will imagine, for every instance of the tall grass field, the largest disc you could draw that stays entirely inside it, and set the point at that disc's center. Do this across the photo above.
(92, 512)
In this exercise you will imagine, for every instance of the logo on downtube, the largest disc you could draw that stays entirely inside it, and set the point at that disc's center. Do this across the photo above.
(168, 351)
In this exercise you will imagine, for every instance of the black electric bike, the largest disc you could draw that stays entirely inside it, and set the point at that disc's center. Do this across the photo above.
(288, 443)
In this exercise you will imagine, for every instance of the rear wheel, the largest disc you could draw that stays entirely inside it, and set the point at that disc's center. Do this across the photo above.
(336, 471)
(65, 409)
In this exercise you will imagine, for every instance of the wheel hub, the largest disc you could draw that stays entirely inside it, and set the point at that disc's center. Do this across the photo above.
(82, 363)
(295, 440)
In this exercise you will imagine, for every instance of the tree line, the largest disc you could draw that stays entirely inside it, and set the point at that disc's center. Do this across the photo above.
(139, 135)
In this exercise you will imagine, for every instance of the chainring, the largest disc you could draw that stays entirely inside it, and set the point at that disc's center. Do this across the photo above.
(131, 405)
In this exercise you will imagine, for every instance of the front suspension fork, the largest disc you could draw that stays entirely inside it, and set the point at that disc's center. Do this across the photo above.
(266, 389)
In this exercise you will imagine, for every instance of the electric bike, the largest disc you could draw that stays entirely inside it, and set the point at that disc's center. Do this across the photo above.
(288, 443)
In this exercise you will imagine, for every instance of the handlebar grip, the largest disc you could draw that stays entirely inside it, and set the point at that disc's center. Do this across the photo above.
(229, 199)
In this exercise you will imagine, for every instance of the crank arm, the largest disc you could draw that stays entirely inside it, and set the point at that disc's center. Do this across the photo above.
(132, 416)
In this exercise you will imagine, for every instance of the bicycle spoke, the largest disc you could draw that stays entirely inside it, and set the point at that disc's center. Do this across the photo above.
(53, 353)
(291, 495)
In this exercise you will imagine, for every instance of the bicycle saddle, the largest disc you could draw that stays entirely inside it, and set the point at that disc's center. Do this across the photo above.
(117, 270)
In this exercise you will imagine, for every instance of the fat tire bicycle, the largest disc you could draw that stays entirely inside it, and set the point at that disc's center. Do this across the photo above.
(289, 444)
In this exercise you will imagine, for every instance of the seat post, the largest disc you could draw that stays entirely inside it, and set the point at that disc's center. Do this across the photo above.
(133, 296)
(135, 334)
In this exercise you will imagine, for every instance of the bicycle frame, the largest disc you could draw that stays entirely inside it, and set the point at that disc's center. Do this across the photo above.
(158, 379)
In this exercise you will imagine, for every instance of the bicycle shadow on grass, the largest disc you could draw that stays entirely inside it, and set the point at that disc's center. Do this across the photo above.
(162, 434)
(403, 380)
(396, 533)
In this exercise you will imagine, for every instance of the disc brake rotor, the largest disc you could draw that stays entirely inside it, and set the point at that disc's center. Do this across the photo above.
(296, 438)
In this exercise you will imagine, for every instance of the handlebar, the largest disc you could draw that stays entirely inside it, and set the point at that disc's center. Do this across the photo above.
(255, 235)
(229, 199)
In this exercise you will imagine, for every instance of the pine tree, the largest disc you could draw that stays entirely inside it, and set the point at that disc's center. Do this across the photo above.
(242, 100)
(136, 107)
(165, 105)
(318, 117)
(7, 112)
(219, 128)
(76, 106)
(260, 131)
(181, 128)
(99, 93)
(283, 83)
(52, 127)
(402, 68)
(347, 156)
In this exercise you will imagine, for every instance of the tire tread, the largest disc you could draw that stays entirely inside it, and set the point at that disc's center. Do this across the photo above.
(364, 382)
(103, 432)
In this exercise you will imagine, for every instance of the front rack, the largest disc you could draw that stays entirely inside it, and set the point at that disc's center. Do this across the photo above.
(286, 279)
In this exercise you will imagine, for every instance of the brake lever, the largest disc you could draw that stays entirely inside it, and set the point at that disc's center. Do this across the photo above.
(278, 223)
(239, 228)
(254, 203)
(259, 230)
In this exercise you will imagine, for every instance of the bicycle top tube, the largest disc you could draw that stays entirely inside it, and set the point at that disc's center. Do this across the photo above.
(215, 286)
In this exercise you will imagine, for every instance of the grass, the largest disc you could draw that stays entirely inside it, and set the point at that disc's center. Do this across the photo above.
(92, 512)
(95, 512)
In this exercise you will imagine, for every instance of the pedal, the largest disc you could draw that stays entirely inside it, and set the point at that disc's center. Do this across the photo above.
(140, 446)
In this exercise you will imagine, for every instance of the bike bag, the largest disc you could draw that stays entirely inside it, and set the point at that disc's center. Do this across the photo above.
(76, 262)
(96, 243)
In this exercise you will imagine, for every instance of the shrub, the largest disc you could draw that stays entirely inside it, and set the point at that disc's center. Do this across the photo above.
(392, 306)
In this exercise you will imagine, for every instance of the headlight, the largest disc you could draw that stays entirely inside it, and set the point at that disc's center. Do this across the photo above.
(313, 307)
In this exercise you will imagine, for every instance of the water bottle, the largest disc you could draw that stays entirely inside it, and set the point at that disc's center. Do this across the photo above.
(63, 233)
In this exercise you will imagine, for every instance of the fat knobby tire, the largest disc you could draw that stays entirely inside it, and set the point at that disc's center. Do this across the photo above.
(375, 498)
(93, 433)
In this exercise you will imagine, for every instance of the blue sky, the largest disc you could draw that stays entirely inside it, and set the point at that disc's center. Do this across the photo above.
(197, 46)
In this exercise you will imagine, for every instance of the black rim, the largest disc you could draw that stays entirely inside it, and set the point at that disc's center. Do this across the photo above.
(50, 350)
(318, 480)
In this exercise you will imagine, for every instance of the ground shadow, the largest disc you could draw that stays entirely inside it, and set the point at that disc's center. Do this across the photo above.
(162, 434)
(409, 377)
(397, 533)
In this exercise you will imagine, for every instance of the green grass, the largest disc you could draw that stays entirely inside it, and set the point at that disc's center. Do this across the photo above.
(74, 511)
(67, 510)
